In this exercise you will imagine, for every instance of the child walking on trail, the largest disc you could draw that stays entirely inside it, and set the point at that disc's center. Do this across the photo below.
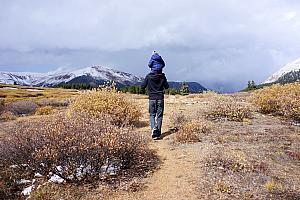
(156, 82)
(156, 63)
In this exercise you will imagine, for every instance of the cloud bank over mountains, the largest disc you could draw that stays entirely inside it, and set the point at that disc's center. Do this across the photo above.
(221, 44)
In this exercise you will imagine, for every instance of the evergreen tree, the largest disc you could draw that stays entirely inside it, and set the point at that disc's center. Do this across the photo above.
(184, 89)
(249, 84)
(253, 86)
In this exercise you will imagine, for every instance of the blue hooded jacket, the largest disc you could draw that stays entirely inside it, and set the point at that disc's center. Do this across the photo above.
(156, 63)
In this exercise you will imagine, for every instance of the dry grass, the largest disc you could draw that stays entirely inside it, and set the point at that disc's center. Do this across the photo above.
(188, 129)
(7, 116)
(107, 102)
(45, 110)
(281, 100)
(2, 106)
(54, 102)
(11, 93)
(177, 120)
(192, 131)
(229, 109)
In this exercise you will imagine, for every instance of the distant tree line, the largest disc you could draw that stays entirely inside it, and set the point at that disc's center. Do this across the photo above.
(77, 86)
(136, 89)
(133, 89)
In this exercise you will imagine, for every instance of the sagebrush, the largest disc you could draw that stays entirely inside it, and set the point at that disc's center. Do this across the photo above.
(107, 102)
(229, 109)
(2, 106)
(278, 99)
(22, 107)
(74, 147)
(45, 110)
(7, 116)
(54, 102)
(192, 131)
(177, 120)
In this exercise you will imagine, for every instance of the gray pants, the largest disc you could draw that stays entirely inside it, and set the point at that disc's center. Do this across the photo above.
(156, 110)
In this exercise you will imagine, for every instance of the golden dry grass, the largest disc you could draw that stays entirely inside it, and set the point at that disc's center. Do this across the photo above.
(45, 110)
(107, 102)
(279, 100)
(192, 131)
(11, 93)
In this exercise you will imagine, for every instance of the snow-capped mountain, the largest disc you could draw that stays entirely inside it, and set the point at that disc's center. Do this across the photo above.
(96, 73)
(287, 74)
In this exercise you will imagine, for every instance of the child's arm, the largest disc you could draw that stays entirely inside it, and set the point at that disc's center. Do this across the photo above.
(144, 84)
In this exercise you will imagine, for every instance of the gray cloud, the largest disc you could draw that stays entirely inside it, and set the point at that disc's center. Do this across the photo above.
(219, 43)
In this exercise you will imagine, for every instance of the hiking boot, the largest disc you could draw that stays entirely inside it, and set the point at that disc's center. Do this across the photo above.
(156, 138)
(155, 133)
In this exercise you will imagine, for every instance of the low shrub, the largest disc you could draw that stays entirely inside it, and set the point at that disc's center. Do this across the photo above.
(22, 107)
(54, 102)
(229, 109)
(46, 110)
(7, 116)
(2, 105)
(177, 120)
(8, 185)
(223, 187)
(107, 102)
(281, 100)
(235, 162)
(74, 147)
(191, 131)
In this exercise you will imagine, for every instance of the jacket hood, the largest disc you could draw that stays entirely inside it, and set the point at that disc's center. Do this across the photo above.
(155, 56)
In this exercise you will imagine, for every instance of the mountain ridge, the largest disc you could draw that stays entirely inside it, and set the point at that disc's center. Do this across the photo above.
(287, 74)
(94, 75)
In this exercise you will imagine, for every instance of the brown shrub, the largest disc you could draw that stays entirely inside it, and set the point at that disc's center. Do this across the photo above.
(223, 187)
(177, 120)
(22, 107)
(2, 105)
(192, 131)
(107, 102)
(46, 110)
(7, 116)
(234, 161)
(84, 148)
(281, 100)
(8, 185)
(229, 109)
(54, 102)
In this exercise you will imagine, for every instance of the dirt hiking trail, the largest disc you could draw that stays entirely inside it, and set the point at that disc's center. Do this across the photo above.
(175, 179)
(177, 176)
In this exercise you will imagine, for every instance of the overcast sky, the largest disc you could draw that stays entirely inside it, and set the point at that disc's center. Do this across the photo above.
(219, 43)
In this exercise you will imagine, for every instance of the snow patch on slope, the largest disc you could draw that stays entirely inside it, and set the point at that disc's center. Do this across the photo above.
(293, 66)
(63, 76)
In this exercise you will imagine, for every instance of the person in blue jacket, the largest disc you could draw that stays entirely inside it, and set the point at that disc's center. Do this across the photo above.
(156, 63)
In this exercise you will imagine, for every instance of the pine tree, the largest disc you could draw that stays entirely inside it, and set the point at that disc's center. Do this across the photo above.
(184, 89)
